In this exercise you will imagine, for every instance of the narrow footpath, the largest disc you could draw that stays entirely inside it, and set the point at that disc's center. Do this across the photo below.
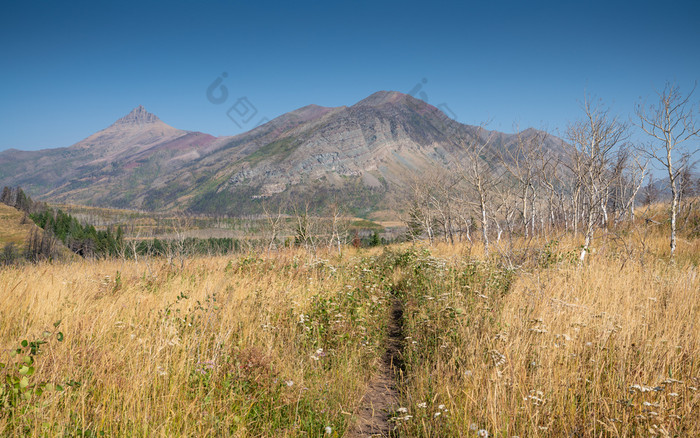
(381, 397)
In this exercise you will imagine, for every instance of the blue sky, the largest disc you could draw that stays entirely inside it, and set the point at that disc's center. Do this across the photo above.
(72, 68)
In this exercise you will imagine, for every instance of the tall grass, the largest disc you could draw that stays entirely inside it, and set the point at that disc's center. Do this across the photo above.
(283, 344)
(274, 347)
(609, 348)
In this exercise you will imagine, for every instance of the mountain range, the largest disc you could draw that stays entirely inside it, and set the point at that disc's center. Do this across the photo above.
(360, 155)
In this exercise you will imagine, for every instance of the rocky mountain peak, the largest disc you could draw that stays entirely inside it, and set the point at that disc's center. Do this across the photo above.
(381, 98)
(369, 151)
(138, 116)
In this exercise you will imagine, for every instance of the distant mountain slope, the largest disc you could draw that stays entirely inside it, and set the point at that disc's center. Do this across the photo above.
(131, 152)
(12, 229)
(359, 154)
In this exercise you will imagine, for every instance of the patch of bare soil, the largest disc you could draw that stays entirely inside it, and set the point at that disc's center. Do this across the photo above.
(379, 401)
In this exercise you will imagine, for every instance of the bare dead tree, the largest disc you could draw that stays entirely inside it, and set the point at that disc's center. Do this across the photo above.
(419, 219)
(431, 205)
(41, 245)
(305, 228)
(339, 232)
(555, 183)
(650, 192)
(443, 197)
(504, 208)
(593, 140)
(465, 216)
(133, 245)
(274, 222)
(523, 164)
(629, 182)
(686, 193)
(177, 247)
(670, 123)
(481, 176)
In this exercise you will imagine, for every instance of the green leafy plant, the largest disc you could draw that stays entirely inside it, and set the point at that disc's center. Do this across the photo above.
(17, 385)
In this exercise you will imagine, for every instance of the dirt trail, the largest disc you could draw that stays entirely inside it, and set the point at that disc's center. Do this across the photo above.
(372, 417)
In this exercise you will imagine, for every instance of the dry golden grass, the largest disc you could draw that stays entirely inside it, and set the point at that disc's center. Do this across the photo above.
(11, 229)
(608, 348)
(232, 358)
(284, 344)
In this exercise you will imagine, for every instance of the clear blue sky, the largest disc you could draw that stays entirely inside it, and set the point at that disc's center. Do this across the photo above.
(72, 68)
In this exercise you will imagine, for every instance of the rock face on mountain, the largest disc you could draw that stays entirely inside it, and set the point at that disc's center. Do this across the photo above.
(359, 155)
(137, 131)
(130, 153)
(138, 116)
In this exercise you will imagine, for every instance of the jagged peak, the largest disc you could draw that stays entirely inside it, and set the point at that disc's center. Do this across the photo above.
(138, 116)
(383, 97)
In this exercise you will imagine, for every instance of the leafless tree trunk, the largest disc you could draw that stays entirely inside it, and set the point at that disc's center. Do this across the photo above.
(629, 186)
(433, 197)
(177, 247)
(134, 246)
(481, 176)
(687, 193)
(274, 222)
(338, 230)
(592, 141)
(305, 232)
(670, 123)
(523, 163)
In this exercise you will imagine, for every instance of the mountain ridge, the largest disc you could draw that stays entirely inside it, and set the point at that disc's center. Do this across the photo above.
(362, 153)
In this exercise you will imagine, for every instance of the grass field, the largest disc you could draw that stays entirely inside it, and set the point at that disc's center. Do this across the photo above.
(12, 231)
(287, 343)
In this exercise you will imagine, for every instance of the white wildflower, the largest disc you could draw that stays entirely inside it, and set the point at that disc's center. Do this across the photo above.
(318, 354)
(498, 358)
(641, 388)
(667, 381)
(328, 430)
